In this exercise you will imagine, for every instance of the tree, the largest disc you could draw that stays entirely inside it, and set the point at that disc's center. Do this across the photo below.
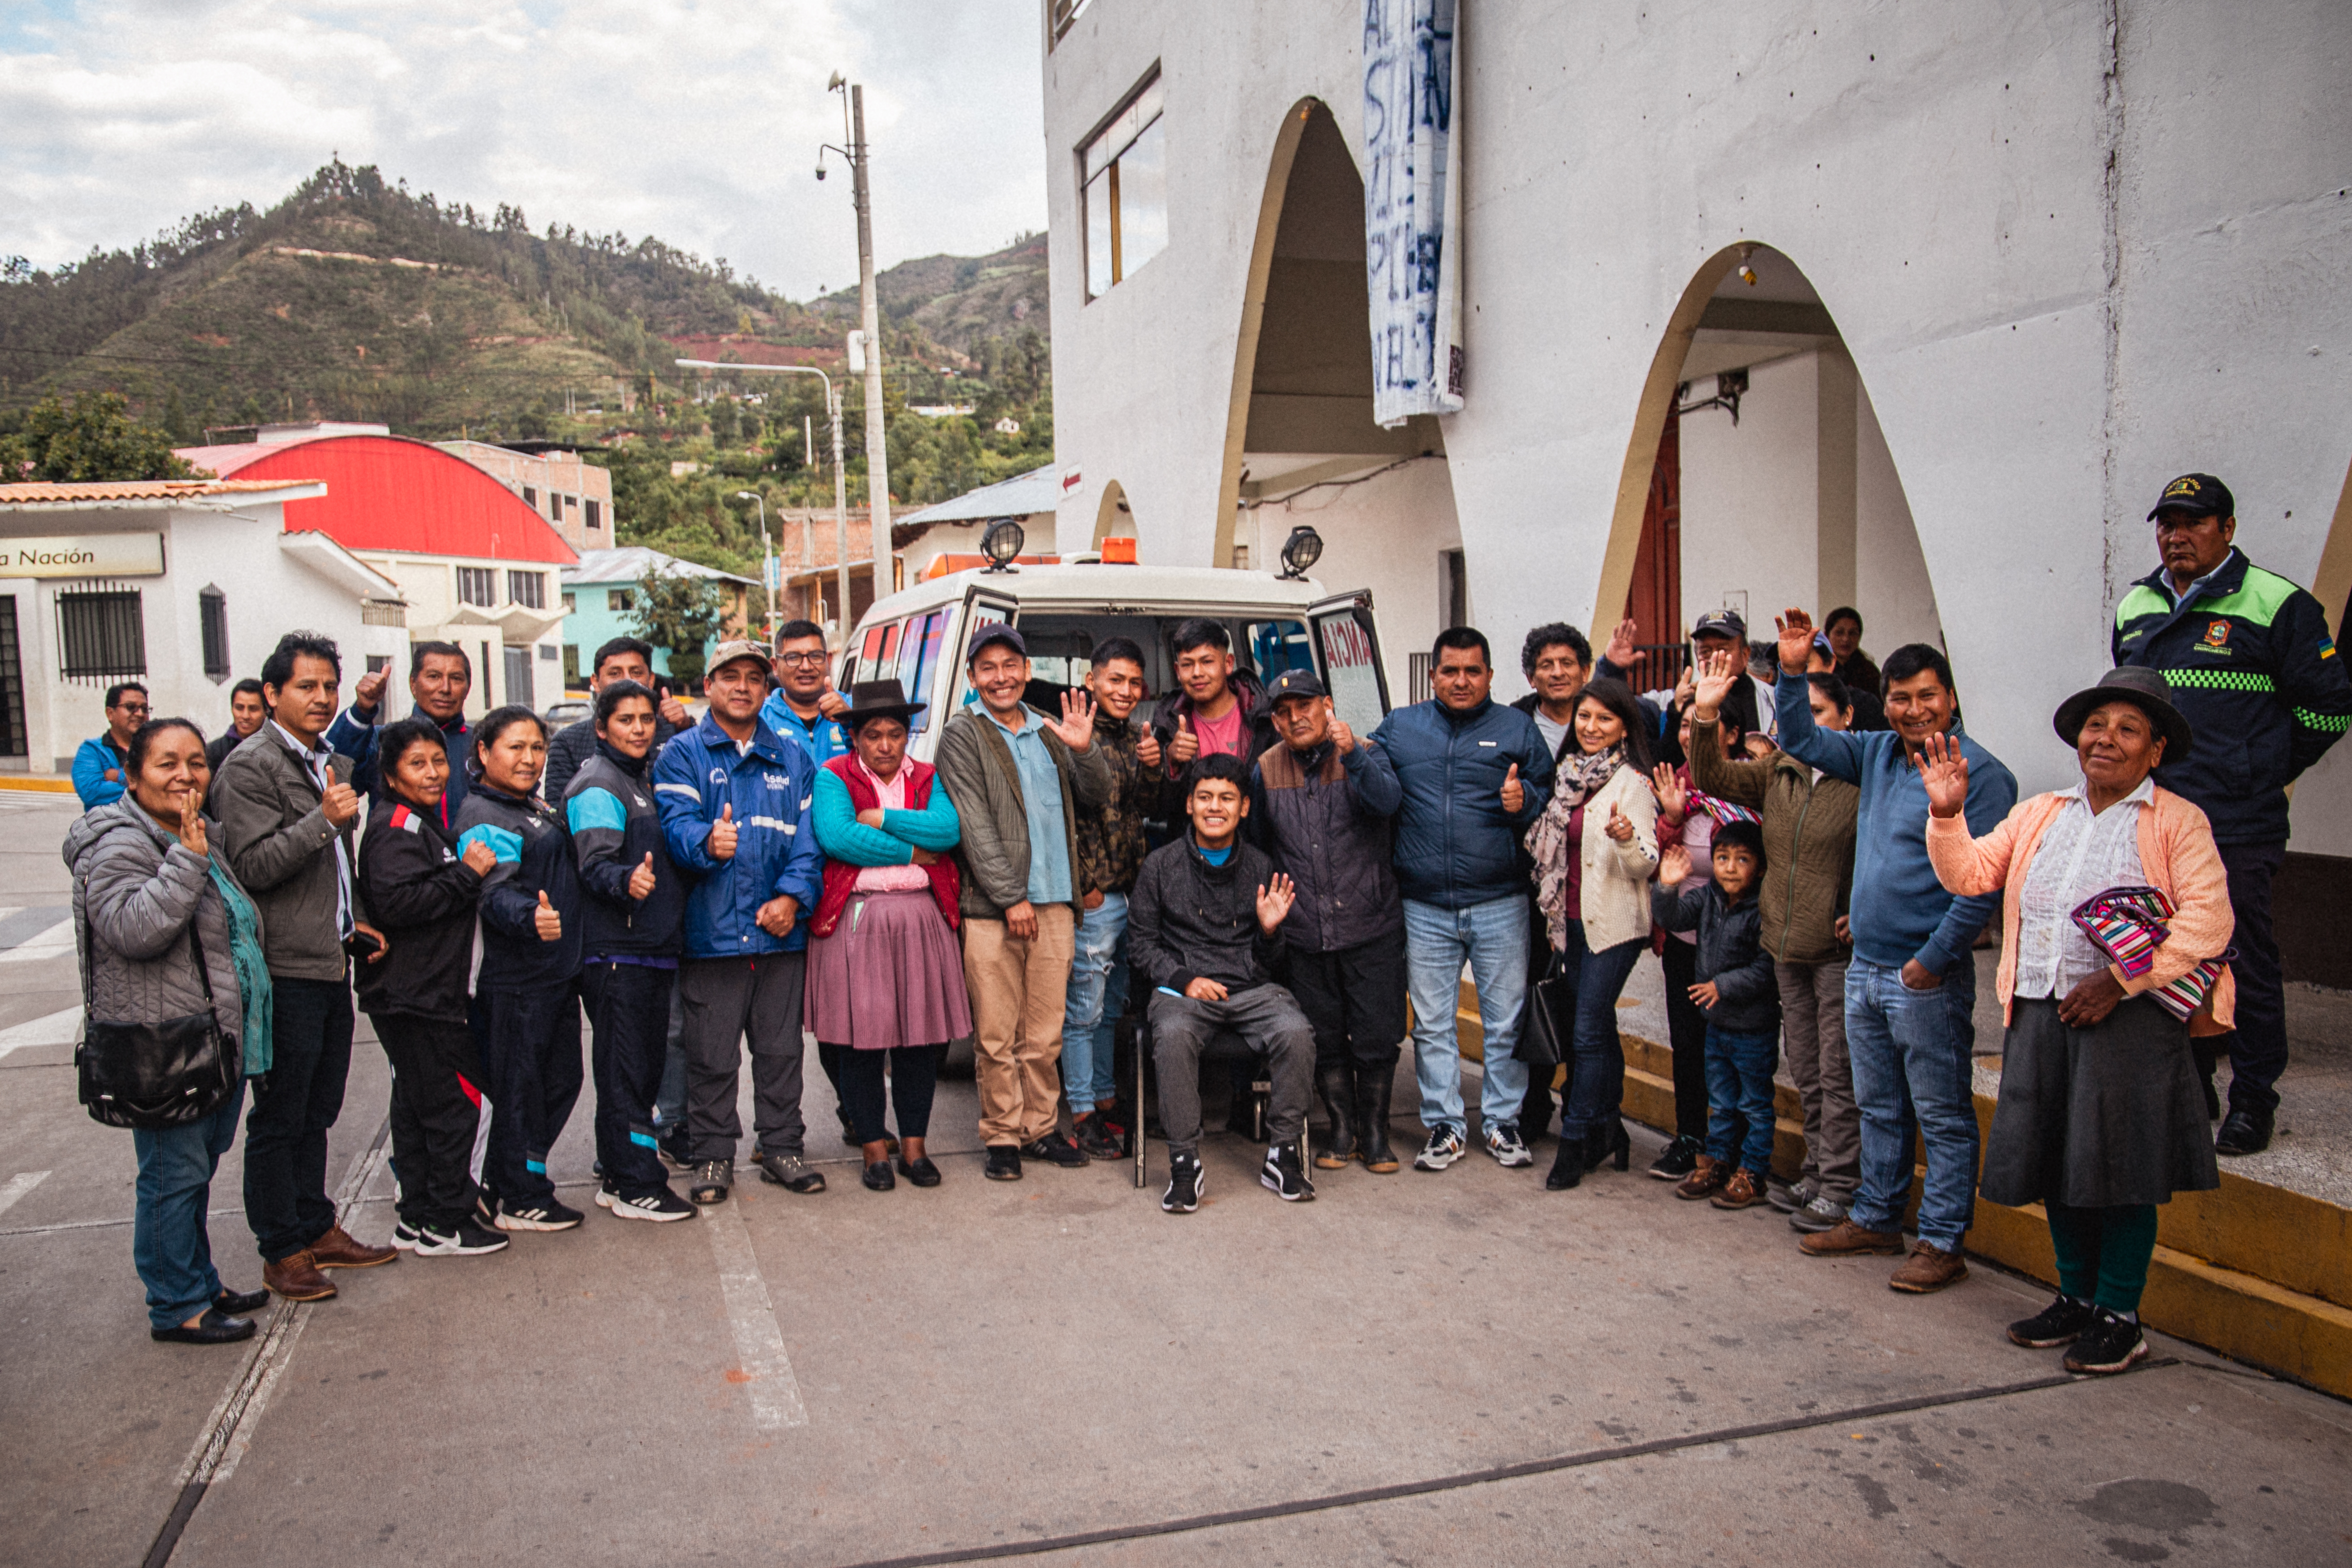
(679, 614)
(91, 439)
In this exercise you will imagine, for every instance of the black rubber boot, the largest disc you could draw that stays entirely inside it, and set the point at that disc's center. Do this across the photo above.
(1336, 1086)
(1373, 1087)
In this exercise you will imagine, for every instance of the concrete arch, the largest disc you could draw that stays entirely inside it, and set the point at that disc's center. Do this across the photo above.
(1113, 516)
(1810, 456)
(1299, 411)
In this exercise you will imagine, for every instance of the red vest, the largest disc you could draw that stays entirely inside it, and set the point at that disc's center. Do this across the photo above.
(841, 877)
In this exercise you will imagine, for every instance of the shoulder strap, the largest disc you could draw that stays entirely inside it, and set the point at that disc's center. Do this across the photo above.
(195, 944)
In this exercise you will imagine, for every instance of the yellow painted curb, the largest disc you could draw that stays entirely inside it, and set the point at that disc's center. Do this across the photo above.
(36, 784)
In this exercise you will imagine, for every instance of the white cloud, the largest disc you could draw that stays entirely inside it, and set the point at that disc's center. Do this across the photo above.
(696, 120)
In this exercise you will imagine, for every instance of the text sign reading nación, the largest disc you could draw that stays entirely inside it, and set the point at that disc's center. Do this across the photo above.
(84, 555)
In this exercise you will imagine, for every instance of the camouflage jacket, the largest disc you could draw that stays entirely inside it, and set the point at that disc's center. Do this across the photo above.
(1110, 839)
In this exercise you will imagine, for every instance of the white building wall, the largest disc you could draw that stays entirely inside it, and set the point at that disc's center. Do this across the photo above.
(1892, 588)
(1750, 493)
(1940, 174)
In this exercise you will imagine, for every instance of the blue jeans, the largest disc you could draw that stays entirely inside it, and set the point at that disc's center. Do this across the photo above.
(1097, 999)
(1910, 1053)
(1492, 938)
(169, 1243)
(1739, 1096)
(1596, 1074)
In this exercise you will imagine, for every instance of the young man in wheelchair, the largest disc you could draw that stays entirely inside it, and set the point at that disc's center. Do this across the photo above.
(1204, 926)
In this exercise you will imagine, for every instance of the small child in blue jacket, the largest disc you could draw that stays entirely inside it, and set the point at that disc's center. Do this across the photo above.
(1737, 993)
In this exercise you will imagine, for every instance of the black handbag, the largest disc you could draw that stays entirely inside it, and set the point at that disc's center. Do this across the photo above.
(1547, 1021)
(152, 1076)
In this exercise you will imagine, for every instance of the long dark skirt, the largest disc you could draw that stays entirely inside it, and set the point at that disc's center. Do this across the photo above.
(889, 975)
(2098, 1117)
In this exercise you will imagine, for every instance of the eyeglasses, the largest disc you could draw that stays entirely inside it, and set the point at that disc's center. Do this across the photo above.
(801, 660)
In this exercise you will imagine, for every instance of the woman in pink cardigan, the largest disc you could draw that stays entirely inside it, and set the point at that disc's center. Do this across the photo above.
(2100, 1116)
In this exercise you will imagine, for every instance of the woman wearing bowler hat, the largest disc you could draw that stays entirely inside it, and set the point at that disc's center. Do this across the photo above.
(2115, 916)
(885, 976)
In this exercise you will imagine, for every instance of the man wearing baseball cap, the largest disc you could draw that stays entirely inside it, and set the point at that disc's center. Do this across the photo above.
(2250, 664)
(1320, 799)
(1749, 706)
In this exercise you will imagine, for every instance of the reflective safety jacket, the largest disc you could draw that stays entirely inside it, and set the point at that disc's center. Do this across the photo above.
(2253, 670)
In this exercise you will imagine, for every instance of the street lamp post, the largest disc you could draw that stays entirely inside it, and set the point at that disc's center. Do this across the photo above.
(767, 561)
(840, 479)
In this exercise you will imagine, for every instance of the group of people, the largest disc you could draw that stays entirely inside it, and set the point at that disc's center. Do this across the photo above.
(1811, 843)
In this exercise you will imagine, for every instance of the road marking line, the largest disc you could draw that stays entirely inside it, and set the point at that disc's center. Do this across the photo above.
(59, 1028)
(51, 942)
(228, 1432)
(766, 1369)
(18, 1186)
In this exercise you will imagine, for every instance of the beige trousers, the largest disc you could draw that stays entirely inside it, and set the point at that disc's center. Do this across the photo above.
(1018, 990)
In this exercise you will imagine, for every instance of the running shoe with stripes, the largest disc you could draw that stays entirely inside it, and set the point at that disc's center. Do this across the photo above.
(545, 1215)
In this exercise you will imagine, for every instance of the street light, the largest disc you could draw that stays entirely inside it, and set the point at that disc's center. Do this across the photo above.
(840, 480)
(767, 561)
(1301, 550)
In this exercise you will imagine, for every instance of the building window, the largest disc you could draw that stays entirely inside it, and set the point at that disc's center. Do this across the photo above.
(212, 617)
(595, 514)
(571, 603)
(620, 599)
(1065, 12)
(528, 589)
(1123, 188)
(571, 664)
(102, 635)
(555, 505)
(547, 652)
(477, 585)
(530, 497)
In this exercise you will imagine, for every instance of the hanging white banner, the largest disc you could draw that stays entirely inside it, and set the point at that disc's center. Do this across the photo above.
(1412, 207)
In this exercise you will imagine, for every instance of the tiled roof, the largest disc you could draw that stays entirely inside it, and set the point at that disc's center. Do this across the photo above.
(43, 493)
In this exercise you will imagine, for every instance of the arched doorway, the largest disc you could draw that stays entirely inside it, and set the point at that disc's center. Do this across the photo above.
(1301, 446)
(1757, 476)
(1113, 516)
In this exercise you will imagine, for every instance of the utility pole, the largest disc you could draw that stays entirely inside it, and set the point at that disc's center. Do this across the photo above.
(767, 562)
(869, 310)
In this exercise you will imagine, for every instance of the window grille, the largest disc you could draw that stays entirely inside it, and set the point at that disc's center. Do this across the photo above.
(212, 615)
(101, 634)
(477, 585)
(528, 589)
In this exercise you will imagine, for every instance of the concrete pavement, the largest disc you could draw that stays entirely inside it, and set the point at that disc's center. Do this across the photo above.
(856, 1378)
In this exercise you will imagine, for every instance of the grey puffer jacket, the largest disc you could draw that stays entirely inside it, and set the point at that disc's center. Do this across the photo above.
(136, 887)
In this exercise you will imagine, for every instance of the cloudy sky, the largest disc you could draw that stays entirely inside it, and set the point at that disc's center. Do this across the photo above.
(697, 120)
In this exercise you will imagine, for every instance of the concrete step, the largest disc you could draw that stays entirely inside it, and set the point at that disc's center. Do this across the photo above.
(2251, 1270)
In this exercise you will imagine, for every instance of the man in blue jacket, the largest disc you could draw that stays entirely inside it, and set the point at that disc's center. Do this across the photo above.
(2250, 665)
(1475, 776)
(101, 764)
(734, 801)
(440, 678)
(1911, 987)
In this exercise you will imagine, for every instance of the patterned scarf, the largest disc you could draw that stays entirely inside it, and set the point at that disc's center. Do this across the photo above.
(1578, 779)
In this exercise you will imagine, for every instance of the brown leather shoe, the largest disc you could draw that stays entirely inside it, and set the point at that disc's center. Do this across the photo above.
(1745, 1190)
(337, 1249)
(1928, 1269)
(1847, 1239)
(298, 1278)
(1706, 1180)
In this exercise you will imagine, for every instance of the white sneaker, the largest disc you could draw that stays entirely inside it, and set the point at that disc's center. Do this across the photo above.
(404, 1237)
(1503, 1141)
(1444, 1147)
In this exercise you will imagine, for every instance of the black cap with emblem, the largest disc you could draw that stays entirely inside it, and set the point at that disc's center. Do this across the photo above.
(2200, 495)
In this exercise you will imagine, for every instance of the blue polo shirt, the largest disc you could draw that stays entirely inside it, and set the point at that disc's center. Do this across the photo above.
(1041, 797)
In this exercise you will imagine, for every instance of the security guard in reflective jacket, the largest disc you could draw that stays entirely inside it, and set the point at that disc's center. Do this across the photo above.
(2250, 661)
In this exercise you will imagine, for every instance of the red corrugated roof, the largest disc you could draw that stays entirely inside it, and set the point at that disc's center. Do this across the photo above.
(390, 493)
(39, 490)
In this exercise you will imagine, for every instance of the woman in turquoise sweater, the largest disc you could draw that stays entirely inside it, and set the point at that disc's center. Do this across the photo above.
(884, 976)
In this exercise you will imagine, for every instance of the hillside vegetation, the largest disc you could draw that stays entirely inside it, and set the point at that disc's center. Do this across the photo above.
(354, 299)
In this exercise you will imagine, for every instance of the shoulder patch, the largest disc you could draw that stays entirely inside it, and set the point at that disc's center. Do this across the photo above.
(405, 819)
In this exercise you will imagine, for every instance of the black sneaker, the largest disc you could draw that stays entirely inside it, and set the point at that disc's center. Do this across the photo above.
(2060, 1323)
(1095, 1138)
(661, 1206)
(1285, 1178)
(465, 1239)
(674, 1151)
(790, 1172)
(1003, 1162)
(1679, 1159)
(2109, 1343)
(404, 1237)
(545, 1213)
(713, 1179)
(1054, 1148)
(1185, 1184)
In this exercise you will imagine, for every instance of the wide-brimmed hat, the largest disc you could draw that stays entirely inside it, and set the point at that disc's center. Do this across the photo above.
(876, 700)
(2143, 689)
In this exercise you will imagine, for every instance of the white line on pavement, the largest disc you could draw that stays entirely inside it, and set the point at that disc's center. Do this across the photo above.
(766, 1369)
(18, 1186)
(54, 942)
(59, 1028)
(228, 1432)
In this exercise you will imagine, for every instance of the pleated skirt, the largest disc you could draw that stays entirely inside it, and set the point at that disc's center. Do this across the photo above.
(890, 975)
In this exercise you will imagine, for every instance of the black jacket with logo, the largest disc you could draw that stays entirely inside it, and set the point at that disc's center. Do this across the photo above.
(1188, 919)
(2253, 670)
(609, 808)
(422, 898)
(1324, 821)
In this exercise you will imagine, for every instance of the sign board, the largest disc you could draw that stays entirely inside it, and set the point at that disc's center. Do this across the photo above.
(83, 555)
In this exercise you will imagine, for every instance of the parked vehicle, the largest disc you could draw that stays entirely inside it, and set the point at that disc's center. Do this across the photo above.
(919, 635)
